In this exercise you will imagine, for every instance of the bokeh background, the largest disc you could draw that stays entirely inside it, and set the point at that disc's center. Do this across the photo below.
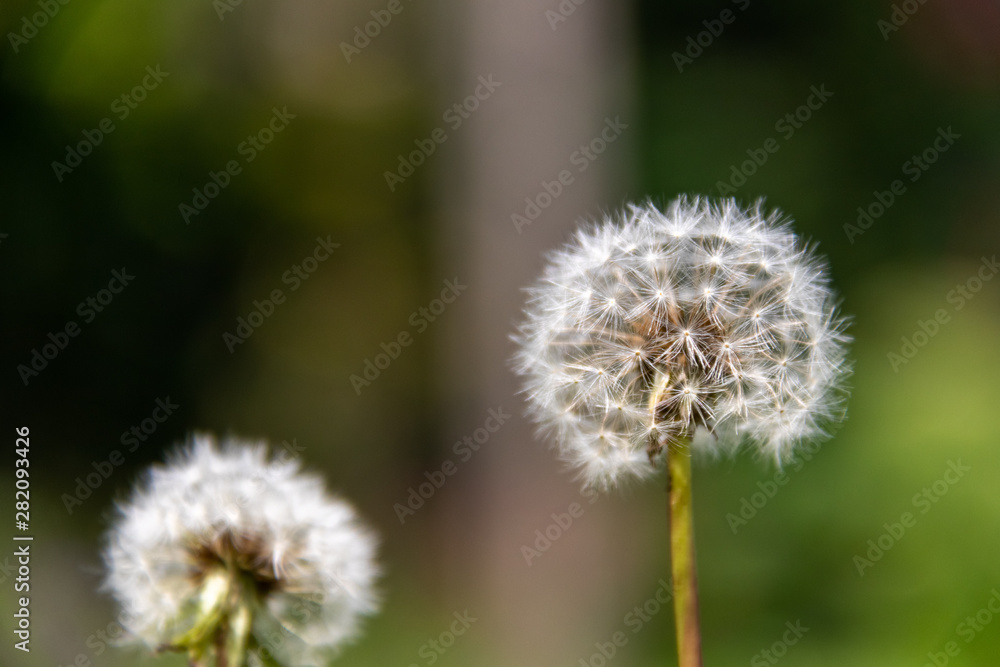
(682, 92)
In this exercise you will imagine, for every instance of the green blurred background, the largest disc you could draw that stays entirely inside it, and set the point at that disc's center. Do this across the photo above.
(688, 114)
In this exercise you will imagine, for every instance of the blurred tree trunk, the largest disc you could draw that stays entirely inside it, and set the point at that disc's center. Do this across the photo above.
(560, 79)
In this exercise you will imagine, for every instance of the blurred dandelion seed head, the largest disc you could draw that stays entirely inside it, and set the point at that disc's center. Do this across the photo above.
(705, 320)
(229, 508)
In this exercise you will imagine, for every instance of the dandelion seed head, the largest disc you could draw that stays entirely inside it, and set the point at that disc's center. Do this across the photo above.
(210, 508)
(705, 318)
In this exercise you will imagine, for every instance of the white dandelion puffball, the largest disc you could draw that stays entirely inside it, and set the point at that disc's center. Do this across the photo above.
(304, 555)
(705, 323)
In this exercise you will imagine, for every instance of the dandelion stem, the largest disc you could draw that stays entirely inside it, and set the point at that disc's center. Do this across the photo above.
(682, 560)
(222, 633)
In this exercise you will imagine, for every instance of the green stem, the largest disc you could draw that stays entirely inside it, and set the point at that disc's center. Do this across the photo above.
(224, 614)
(239, 626)
(682, 559)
